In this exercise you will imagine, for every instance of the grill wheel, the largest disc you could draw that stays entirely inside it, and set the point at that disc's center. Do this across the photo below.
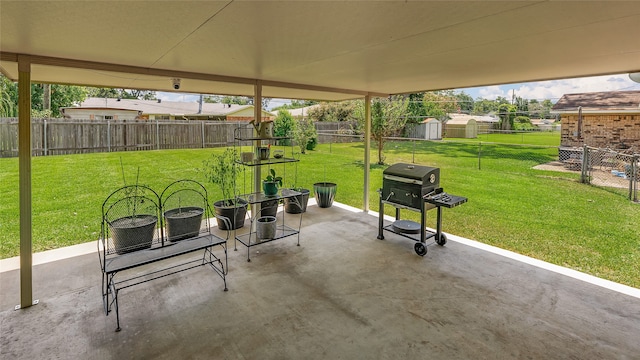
(420, 249)
(442, 240)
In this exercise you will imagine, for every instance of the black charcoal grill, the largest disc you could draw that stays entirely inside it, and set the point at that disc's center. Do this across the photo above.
(406, 184)
(416, 188)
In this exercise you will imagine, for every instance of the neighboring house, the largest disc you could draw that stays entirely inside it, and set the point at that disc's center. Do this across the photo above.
(545, 124)
(600, 119)
(130, 109)
(301, 113)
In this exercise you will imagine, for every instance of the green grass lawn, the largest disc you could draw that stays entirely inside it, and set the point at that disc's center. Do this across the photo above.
(543, 214)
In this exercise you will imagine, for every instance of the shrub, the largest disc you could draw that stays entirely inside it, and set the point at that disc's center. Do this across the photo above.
(305, 135)
(283, 126)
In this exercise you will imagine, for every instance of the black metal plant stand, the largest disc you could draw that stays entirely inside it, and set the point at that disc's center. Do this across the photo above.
(283, 230)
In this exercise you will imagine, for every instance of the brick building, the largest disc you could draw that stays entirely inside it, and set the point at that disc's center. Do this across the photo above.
(600, 119)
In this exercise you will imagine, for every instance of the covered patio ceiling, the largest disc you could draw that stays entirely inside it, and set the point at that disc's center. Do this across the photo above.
(320, 50)
(316, 49)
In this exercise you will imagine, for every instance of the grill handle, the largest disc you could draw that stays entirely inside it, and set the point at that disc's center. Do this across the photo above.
(402, 179)
(436, 191)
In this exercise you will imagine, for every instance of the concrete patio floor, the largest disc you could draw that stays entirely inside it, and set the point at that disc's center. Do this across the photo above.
(342, 294)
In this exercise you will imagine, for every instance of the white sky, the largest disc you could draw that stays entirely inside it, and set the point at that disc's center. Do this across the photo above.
(554, 89)
(541, 90)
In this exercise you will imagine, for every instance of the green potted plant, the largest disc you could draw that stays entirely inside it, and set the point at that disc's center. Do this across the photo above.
(222, 170)
(271, 183)
(305, 135)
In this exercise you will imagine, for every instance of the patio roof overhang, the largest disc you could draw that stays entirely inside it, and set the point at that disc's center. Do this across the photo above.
(303, 49)
(315, 49)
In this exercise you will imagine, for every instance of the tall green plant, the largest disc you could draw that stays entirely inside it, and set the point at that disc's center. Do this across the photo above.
(387, 119)
(305, 135)
(283, 126)
(507, 114)
(222, 170)
(8, 108)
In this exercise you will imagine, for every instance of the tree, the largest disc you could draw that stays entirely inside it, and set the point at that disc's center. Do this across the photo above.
(546, 106)
(65, 96)
(8, 98)
(283, 125)
(387, 119)
(522, 106)
(522, 123)
(305, 135)
(334, 111)
(296, 104)
(502, 100)
(112, 93)
(484, 106)
(465, 102)
(237, 100)
(416, 111)
(439, 103)
(61, 96)
(507, 114)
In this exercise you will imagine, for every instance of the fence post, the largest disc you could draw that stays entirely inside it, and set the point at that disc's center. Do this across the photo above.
(44, 135)
(633, 178)
(413, 154)
(157, 135)
(108, 136)
(584, 176)
(479, 152)
(203, 134)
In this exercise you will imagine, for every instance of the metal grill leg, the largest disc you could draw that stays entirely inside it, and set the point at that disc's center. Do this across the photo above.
(380, 217)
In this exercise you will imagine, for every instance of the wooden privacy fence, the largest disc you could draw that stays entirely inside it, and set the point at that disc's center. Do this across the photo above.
(337, 132)
(59, 136)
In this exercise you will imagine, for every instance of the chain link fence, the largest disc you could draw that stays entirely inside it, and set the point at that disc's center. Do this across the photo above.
(604, 167)
(598, 167)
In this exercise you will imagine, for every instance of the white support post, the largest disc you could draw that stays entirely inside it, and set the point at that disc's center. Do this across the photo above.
(367, 145)
(24, 165)
(257, 115)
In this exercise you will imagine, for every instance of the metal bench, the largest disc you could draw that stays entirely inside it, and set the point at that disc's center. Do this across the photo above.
(141, 228)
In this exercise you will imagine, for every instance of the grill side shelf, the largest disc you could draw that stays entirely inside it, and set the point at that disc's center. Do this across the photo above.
(446, 200)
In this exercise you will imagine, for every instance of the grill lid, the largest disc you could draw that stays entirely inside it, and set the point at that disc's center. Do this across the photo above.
(422, 174)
